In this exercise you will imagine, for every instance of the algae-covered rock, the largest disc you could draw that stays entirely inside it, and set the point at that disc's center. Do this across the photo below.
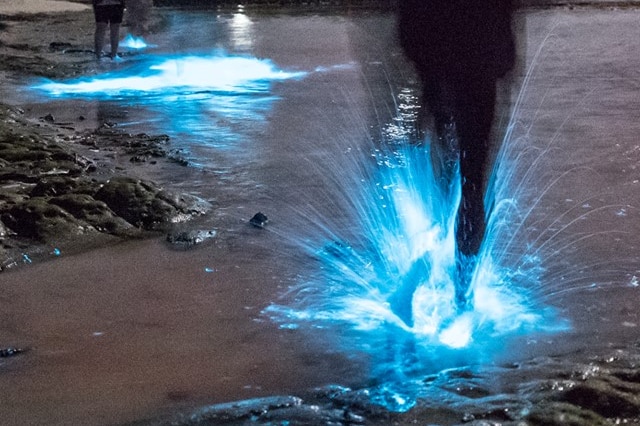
(560, 413)
(94, 212)
(37, 219)
(608, 396)
(139, 202)
(51, 193)
(52, 186)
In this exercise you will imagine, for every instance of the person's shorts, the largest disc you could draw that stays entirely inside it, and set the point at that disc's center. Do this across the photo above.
(109, 14)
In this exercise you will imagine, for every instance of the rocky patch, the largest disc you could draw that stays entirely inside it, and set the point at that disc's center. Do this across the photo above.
(50, 194)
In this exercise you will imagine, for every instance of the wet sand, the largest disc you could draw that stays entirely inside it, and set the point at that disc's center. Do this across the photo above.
(15, 7)
(138, 330)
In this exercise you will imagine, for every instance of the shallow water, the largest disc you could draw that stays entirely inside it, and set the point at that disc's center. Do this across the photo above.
(138, 330)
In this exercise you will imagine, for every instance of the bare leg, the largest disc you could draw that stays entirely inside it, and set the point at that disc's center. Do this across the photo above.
(101, 30)
(114, 38)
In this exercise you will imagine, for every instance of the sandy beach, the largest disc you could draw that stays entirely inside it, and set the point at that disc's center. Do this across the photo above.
(15, 7)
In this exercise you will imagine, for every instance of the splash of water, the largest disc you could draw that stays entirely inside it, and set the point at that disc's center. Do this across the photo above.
(209, 99)
(407, 222)
(134, 43)
(404, 237)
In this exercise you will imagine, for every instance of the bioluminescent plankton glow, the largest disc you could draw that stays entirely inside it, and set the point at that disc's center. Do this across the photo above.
(397, 247)
(134, 43)
(167, 76)
(407, 226)
(211, 98)
(402, 236)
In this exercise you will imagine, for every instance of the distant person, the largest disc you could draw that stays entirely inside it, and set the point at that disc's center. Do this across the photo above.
(138, 16)
(108, 13)
(460, 49)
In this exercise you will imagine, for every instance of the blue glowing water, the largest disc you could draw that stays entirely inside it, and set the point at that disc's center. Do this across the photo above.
(135, 43)
(403, 238)
(407, 229)
(168, 76)
(214, 98)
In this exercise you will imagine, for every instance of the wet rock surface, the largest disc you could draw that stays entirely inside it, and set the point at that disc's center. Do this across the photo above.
(602, 390)
(190, 238)
(10, 351)
(259, 220)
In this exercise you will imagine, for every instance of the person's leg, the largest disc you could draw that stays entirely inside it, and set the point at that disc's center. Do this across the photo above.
(114, 34)
(439, 96)
(101, 29)
(476, 113)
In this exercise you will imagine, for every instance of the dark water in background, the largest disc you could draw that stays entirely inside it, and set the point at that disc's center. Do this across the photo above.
(136, 330)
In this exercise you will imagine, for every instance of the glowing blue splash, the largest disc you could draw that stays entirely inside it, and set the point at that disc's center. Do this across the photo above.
(206, 99)
(174, 75)
(407, 224)
(134, 43)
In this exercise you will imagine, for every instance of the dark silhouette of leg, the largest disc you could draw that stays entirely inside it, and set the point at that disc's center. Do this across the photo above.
(460, 49)
(476, 113)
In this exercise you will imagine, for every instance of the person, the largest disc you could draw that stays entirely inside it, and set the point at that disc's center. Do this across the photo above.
(460, 49)
(108, 14)
(138, 16)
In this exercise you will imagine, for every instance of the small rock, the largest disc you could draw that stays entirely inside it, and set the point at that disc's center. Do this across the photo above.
(468, 417)
(259, 220)
(59, 45)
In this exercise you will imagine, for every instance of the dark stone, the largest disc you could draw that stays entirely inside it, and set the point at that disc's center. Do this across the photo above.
(563, 414)
(59, 45)
(240, 410)
(608, 397)
(136, 202)
(259, 220)
(143, 205)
